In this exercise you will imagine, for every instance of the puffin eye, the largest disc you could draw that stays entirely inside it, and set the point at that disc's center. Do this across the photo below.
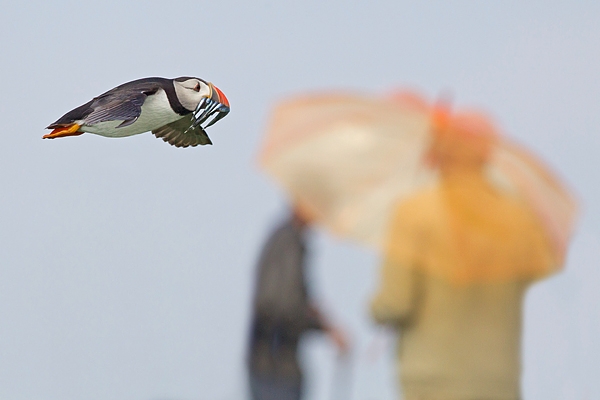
(197, 87)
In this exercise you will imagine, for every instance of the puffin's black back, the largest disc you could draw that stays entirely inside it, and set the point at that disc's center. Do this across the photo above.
(127, 92)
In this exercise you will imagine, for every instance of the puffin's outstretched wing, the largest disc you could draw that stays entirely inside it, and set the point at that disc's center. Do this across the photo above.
(178, 133)
(123, 103)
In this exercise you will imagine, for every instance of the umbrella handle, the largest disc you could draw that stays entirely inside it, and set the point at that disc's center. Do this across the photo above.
(341, 386)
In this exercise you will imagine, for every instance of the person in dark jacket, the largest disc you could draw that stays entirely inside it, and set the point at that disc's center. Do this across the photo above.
(282, 313)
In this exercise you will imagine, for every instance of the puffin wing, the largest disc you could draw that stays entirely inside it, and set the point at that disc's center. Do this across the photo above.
(123, 106)
(179, 133)
(123, 103)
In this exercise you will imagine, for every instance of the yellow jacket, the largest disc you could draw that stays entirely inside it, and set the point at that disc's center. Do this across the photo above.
(456, 342)
(458, 263)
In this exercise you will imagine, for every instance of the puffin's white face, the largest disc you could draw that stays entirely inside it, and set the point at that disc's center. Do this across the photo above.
(191, 91)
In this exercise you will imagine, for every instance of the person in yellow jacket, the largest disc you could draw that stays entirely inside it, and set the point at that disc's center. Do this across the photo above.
(459, 259)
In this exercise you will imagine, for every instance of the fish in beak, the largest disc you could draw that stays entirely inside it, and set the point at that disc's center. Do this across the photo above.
(215, 105)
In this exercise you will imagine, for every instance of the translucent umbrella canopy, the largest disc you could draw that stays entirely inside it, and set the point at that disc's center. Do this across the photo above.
(352, 162)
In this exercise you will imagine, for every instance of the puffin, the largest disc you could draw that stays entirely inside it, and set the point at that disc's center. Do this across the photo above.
(173, 109)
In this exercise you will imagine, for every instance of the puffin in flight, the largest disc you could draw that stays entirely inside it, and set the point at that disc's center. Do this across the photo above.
(173, 109)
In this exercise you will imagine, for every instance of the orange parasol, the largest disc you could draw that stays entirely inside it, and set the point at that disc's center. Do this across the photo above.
(442, 191)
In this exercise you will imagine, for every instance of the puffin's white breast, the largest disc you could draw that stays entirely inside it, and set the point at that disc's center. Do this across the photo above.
(156, 112)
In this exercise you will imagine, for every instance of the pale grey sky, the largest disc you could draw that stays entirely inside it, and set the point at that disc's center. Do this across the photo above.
(126, 264)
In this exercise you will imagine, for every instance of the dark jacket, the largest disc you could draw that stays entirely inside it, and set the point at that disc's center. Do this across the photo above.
(281, 309)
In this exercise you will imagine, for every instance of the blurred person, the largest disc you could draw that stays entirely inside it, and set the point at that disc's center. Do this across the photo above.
(466, 219)
(282, 314)
(460, 257)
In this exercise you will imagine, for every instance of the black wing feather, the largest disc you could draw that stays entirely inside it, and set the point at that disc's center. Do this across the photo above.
(176, 135)
(125, 106)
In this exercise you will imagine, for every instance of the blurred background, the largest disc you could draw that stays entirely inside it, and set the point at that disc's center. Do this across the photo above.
(126, 265)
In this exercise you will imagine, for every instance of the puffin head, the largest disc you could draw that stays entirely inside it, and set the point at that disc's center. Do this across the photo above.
(202, 98)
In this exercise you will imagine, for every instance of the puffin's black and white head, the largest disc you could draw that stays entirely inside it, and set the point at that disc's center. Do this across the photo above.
(201, 98)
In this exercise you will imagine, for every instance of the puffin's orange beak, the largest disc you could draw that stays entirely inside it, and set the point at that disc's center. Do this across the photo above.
(69, 130)
(221, 96)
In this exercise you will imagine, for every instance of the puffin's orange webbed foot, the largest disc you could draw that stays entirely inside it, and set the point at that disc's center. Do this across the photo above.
(69, 130)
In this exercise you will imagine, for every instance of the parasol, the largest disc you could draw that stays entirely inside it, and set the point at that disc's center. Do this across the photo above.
(365, 168)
